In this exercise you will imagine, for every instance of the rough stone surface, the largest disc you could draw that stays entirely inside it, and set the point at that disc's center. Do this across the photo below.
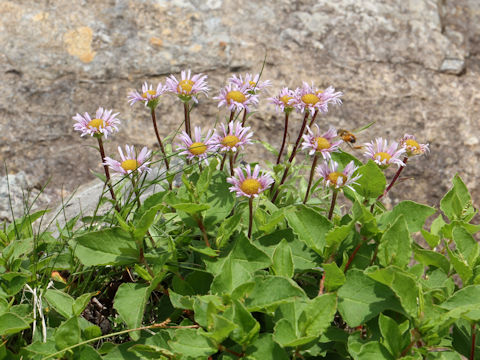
(410, 65)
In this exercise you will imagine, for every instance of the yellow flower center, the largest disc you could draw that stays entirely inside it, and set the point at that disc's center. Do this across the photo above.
(252, 83)
(236, 96)
(333, 177)
(230, 141)
(413, 143)
(285, 99)
(130, 164)
(310, 99)
(149, 92)
(185, 86)
(250, 186)
(384, 157)
(96, 123)
(322, 143)
(197, 148)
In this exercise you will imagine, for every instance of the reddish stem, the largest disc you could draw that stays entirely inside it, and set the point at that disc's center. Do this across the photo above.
(322, 284)
(285, 131)
(187, 119)
(244, 117)
(313, 118)
(332, 205)
(352, 256)
(292, 156)
(314, 163)
(231, 159)
(395, 178)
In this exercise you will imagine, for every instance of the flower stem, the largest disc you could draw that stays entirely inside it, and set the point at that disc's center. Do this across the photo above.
(313, 118)
(232, 114)
(352, 256)
(154, 119)
(107, 173)
(472, 348)
(250, 219)
(292, 156)
(395, 178)
(244, 117)
(222, 164)
(232, 159)
(314, 164)
(322, 284)
(187, 119)
(199, 221)
(285, 131)
(332, 205)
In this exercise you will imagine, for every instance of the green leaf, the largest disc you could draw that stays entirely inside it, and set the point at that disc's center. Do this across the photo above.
(427, 258)
(111, 246)
(150, 351)
(219, 199)
(222, 327)
(232, 275)
(464, 303)
(431, 239)
(461, 266)
(247, 327)
(395, 340)
(286, 335)
(309, 225)
(130, 301)
(81, 303)
(318, 315)
(86, 352)
(444, 355)
(270, 291)
(227, 228)
(11, 324)
(395, 245)
(192, 343)
(457, 202)
(343, 158)
(372, 183)
(190, 208)
(415, 215)
(403, 284)
(283, 260)
(145, 220)
(362, 298)
(334, 277)
(372, 350)
(61, 302)
(264, 348)
(68, 334)
(466, 245)
(335, 237)
(12, 282)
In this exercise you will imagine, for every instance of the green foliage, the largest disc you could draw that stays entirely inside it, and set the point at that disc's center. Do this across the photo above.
(175, 276)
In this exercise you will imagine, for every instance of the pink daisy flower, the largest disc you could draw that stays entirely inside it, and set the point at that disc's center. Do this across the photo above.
(104, 123)
(412, 147)
(148, 95)
(310, 98)
(131, 162)
(251, 82)
(332, 177)
(321, 143)
(284, 101)
(188, 87)
(250, 185)
(384, 155)
(198, 149)
(236, 98)
(233, 137)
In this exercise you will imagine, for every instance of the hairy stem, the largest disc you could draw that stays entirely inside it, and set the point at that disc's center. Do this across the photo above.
(231, 159)
(313, 118)
(244, 117)
(285, 133)
(310, 179)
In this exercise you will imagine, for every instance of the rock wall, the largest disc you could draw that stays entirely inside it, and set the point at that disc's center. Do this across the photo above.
(410, 65)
